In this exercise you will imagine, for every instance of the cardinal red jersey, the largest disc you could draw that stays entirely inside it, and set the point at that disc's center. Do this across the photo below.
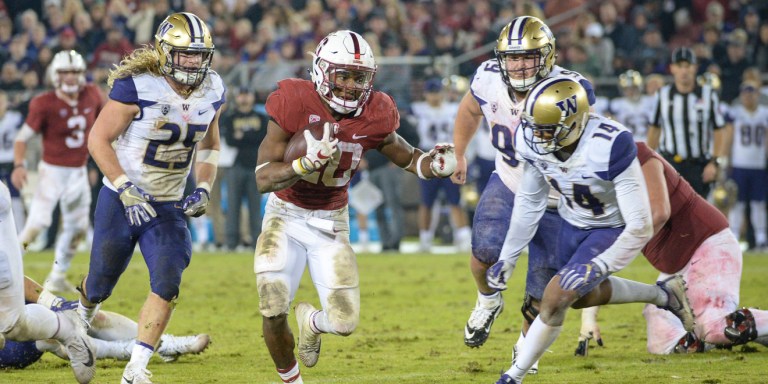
(295, 104)
(65, 127)
(691, 221)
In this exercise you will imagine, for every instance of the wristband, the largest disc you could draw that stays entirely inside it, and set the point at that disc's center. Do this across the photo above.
(418, 166)
(299, 168)
(206, 186)
(120, 180)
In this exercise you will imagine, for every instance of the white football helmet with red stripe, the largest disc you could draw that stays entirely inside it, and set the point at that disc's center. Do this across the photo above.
(63, 62)
(343, 68)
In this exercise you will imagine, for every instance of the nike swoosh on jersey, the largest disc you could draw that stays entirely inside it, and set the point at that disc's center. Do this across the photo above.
(201, 112)
(320, 155)
(358, 137)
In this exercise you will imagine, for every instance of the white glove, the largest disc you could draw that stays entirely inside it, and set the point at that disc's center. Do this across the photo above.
(319, 152)
(498, 275)
(443, 160)
(136, 203)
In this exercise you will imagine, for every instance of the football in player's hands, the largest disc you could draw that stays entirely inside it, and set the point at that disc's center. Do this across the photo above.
(297, 145)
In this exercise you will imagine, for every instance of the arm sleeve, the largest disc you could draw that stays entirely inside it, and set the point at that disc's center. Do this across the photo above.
(530, 204)
(632, 196)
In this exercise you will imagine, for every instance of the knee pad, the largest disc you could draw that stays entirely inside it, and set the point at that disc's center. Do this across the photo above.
(529, 311)
(343, 311)
(274, 296)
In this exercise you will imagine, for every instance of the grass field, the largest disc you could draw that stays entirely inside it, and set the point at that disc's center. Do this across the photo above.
(414, 308)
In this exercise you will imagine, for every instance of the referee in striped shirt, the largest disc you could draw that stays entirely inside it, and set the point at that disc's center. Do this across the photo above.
(687, 126)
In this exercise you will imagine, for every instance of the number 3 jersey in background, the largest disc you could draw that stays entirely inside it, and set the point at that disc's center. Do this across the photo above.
(503, 116)
(295, 104)
(157, 148)
(65, 126)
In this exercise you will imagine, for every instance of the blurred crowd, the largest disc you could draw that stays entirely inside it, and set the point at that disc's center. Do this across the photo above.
(271, 38)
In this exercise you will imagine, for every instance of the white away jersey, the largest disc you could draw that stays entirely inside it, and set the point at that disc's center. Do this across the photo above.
(503, 116)
(633, 114)
(749, 129)
(435, 123)
(585, 180)
(157, 148)
(9, 127)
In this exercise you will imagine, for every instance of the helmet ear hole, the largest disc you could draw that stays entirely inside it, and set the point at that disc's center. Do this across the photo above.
(184, 33)
(343, 70)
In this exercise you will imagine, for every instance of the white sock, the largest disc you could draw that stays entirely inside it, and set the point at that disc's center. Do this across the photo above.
(629, 291)
(488, 301)
(426, 237)
(119, 350)
(113, 326)
(141, 354)
(735, 217)
(757, 211)
(363, 237)
(291, 375)
(539, 337)
(87, 313)
(319, 323)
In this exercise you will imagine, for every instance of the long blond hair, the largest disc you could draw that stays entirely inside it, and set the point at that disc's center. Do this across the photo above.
(142, 60)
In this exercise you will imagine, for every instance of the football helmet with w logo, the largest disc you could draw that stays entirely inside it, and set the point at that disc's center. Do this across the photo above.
(525, 51)
(185, 46)
(554, 114)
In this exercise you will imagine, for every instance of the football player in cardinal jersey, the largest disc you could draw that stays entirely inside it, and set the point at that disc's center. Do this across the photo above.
(306, 221)
(64, 118)
(706, 254)
(163, 111)
(605, 208)
(525, 53)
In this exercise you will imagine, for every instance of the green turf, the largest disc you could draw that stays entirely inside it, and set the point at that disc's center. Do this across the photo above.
(414, 308)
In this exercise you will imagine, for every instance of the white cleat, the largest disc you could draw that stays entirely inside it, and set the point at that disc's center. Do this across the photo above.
(136, 375)
(309, 342)
(478, 326)
(80, 350)
(678, 302)
(171, 347)
(58, 285)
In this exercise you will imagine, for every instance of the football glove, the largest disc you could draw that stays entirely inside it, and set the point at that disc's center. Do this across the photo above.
(196, 203)
(498, 275)
(581, 275)
(319, 152)
(136, 203)
(443, 160)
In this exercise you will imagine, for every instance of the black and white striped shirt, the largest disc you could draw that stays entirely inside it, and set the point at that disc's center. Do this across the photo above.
(687, 121)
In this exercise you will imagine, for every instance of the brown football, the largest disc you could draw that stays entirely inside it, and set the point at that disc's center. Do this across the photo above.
(297, 145)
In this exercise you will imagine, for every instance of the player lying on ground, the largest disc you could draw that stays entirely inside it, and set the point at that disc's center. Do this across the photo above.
(112, 335)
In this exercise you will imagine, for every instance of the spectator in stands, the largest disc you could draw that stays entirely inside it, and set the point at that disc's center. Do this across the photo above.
(85, 34)
(651, 56)
(733, 64)
(68, 41)
(712, 38)
(599, 48)
(614, 28)
(760, 50)
(10, 79)
(112, 50)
